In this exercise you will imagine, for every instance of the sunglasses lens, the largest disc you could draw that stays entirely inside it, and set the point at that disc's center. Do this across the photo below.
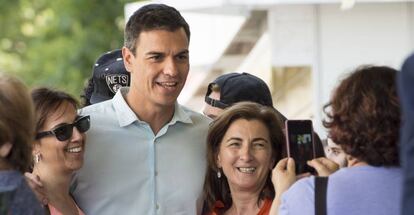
(63, 132)
(83, 124)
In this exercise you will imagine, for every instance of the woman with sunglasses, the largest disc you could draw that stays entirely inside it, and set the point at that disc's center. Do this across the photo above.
(59, 146)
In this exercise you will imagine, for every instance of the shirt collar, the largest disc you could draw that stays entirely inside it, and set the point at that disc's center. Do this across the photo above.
(126, 116)
(123, 112)
(180, 115)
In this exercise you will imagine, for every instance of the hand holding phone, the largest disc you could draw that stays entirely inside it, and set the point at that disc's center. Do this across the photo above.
(300, 144)
(323, 166)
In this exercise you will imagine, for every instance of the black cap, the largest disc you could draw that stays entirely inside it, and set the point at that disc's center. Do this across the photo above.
(109, 74)
(238, 87)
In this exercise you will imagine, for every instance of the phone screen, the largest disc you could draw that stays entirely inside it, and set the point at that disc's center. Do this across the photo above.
(300, 144)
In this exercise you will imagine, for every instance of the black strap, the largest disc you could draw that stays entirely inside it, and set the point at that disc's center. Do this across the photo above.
(321, 185)
(215, 103)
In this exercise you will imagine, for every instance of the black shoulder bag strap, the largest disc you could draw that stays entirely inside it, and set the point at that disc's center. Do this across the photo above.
(321, 185)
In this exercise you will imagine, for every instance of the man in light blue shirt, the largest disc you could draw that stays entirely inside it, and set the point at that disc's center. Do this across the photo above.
(145, 153)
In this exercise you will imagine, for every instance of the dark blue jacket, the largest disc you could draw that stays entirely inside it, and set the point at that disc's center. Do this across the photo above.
(406, 92)
(16, 197)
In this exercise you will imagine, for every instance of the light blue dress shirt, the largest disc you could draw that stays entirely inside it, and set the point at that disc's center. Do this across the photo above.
(130, 170)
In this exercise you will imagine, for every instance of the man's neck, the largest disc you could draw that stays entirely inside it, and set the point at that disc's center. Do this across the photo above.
(354, 162)
(155, 115)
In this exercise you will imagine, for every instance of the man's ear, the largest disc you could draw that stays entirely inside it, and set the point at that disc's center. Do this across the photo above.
(5, 149)
(128, 56)
(350, 160)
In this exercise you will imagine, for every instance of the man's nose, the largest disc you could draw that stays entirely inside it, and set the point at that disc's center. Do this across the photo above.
(170, 67)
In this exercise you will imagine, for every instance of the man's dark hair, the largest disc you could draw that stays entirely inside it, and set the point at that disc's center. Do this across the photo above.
(87, 93)
(153, 17)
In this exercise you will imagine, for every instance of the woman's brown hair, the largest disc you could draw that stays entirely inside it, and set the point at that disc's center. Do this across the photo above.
(16, 122)
(47, 101)
(217, 189)
(363, 116)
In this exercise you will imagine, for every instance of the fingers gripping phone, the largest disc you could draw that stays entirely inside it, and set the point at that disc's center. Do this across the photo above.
(300, 144)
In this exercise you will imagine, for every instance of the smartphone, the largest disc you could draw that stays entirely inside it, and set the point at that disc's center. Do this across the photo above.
(300, 144)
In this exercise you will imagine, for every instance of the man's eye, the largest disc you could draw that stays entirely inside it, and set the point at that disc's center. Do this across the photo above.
(182, 57)
(155, 57)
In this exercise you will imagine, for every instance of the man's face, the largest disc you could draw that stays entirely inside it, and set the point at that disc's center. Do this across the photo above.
(336, 154)
(160, 66)
(210, 111)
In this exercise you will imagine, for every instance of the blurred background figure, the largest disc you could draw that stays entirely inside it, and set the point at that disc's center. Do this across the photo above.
(231, 88)
(108, 75)
(59, 146)
(363, 118)
(16, 134)
(406, 92)
(335, 153)
(243, 145)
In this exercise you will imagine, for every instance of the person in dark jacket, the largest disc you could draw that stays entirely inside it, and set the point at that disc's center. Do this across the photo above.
(406, 92)
(16, 135)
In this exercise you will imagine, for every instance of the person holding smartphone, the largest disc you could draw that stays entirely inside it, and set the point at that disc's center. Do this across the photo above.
(364, 120)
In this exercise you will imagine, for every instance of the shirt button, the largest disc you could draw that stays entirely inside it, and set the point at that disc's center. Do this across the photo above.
(157, 206)
(156, 173)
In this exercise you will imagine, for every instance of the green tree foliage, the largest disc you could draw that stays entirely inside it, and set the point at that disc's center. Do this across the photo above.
(55, 43)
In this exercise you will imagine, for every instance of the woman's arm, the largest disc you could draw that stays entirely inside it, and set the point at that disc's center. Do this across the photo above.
(283, 176)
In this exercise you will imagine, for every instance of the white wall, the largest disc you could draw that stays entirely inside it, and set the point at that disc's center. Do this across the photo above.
(292, 35)
(367, 34)
(258, 61)
(335, 42)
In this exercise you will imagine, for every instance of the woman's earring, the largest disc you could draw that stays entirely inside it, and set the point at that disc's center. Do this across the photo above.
(37, 158)
(218, 174)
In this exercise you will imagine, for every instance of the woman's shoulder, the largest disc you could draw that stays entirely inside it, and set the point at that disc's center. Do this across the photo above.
(10, 180)
(300, 193)
(218, 205)
(267, 204)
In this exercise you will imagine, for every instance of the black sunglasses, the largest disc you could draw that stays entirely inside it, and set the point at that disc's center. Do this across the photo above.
(64, 132)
